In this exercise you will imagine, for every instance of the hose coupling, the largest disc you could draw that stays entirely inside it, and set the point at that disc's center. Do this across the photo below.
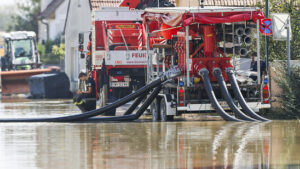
(172, 73)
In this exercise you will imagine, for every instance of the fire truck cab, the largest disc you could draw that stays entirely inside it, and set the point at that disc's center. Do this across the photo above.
(118, 59)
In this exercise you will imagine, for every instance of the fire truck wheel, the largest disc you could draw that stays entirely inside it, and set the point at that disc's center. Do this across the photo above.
(155, 110)
(163, 111)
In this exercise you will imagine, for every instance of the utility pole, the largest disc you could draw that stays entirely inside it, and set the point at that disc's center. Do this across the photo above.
(267, 38)
(288, 45)
(1, 78)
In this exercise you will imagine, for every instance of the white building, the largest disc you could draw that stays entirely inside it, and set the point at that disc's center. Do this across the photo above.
(79, 20)
(52, 19)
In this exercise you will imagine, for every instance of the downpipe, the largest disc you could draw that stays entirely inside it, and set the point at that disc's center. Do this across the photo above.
(240, 97)
(217, 72)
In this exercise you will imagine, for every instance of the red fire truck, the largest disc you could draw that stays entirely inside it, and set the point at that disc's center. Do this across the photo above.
(130, 48)
(203, 42)
(117, 53)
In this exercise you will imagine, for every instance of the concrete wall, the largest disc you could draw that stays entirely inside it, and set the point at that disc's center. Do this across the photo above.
(79, 20)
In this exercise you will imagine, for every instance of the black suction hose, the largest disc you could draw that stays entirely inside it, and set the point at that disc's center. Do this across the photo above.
(92, 113)
(204, 73)
(240, 97)
(217, 72)
(130, 117)
(135, 104)
(171, 73)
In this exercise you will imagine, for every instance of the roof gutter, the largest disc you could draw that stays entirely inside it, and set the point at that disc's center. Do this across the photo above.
(67, 16)
(47, 27)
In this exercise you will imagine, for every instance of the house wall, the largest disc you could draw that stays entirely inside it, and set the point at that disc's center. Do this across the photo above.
(42, 35)
(56, 21)
(44, 4)
(79, 20)
(56, 26)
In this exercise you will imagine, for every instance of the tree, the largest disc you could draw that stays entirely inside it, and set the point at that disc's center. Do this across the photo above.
(277, 49)
(290, 100)
(5, 17)
(25, 18)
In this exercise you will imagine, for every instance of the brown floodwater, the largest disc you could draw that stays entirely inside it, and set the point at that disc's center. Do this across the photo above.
(142, 144)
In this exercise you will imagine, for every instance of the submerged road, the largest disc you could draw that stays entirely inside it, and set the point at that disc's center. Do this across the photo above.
(142, 144)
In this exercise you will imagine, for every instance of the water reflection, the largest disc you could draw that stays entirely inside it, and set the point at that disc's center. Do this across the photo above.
(176, 145)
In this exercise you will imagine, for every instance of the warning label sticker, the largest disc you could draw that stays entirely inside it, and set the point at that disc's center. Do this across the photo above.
(125, 26)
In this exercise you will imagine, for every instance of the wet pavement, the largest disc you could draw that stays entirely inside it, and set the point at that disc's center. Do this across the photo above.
(142, 144)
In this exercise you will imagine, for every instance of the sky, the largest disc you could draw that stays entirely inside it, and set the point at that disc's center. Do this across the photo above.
(9, 2)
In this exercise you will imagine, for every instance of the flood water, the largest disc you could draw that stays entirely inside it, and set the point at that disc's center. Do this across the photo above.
(142, 144)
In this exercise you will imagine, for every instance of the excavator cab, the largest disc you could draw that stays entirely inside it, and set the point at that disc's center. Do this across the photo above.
(20, 51)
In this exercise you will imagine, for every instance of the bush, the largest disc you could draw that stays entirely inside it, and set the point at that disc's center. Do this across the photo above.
(290, 86)
(52, 51)
(277, 49)
(59, 50)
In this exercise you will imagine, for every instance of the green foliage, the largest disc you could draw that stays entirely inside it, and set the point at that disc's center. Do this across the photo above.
(52, 51)
(25, 17)
(48, 46)
(277, 49)
(41, 49)
(290, 86)
(59, 50)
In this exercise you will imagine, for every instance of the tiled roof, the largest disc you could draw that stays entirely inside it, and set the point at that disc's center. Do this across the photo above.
(95, 4)
(231, 2)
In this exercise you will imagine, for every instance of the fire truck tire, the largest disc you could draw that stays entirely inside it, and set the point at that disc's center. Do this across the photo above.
(155, 109)
(163, 111)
